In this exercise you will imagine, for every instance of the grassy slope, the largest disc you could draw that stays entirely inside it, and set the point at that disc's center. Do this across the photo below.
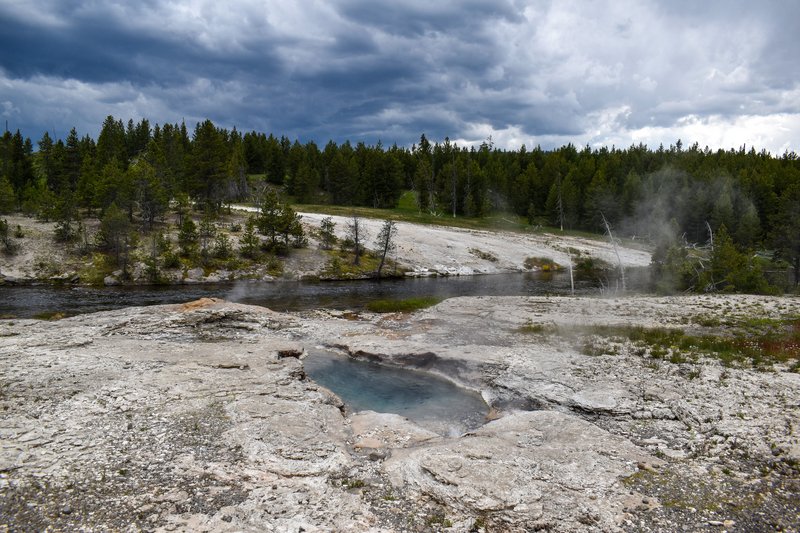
(407, 211)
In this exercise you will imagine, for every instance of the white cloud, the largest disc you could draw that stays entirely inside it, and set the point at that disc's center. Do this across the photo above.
(9, 108)
(44, 13)
(776, 133)
(529, 71)
(60, 104)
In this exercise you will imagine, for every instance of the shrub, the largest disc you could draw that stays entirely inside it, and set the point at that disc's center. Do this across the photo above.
(171, 260)
(486, 256)
(187, 237)
(9, 246)
(222, 247)
(542, 263)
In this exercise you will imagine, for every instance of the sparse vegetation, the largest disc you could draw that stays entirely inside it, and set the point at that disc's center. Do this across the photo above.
(486, 256)
(545, 264)
(766, 342)
(9, 246)
(402, 306)
(538, 329)
(438, 520)
(353, 483)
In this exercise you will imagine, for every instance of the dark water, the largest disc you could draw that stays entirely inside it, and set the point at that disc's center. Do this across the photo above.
(32, 301)
(429, 401)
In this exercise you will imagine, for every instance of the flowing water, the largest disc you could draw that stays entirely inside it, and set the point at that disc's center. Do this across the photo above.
(43, 300)
(429, 401)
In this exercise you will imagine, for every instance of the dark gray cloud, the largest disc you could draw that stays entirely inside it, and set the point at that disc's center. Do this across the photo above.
(720, 73)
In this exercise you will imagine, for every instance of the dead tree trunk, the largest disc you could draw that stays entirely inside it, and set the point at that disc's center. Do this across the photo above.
(571, 278)
(386, 243)
(357, 234)
(616, 251)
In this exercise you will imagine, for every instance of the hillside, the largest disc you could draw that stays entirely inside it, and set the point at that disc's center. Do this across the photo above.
(420, 250)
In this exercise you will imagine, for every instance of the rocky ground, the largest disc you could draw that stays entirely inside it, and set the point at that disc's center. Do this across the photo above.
(427, 250)
(199, 417)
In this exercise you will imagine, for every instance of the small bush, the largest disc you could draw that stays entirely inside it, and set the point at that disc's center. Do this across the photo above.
(537, 329)
(334, 266)
(9, 246)
(223, 249)
(171, 260)
(350, 484)
(274, 265)
(486, 256)
(591, 265)
(544, 264)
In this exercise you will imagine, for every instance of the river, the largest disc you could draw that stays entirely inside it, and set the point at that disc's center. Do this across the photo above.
(46, 300)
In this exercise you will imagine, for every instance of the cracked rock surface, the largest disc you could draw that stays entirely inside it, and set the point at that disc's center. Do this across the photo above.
(199, 417)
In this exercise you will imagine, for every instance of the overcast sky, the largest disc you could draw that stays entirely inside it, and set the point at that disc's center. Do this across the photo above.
(720, 73)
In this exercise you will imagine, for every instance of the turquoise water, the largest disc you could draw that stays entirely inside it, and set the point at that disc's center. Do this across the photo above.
(429, 401)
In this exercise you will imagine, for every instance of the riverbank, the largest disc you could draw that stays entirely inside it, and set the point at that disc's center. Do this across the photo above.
(420, 251)
(200, 417)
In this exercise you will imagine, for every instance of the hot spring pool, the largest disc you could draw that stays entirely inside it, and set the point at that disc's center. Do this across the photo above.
(429, 401)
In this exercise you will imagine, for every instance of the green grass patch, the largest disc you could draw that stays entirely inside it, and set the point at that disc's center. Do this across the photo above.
(773, 341)
(340, 265)
(407, 211)
(406, 305)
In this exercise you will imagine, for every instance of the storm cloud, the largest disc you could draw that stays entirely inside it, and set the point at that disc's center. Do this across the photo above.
(721, 73)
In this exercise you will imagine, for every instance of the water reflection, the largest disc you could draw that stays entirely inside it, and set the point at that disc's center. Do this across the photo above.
(31, 301)
(429, 401)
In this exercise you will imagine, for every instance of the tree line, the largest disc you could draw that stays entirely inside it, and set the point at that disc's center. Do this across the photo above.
(669, 196)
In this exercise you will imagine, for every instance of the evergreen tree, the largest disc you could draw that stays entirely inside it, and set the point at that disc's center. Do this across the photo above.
(600, 202)
(237, 170)
(187, 237)
(43, 162)
(786, 229)
(423, 183)
(748, 227)
(305, 182)
(249, 243)
(207, 167)
(7, 196)
(111, 144)
(269, 216)
(223, 249)
(206, 233)
(39, 201)
(327, 237)
(340, 177)
(150, 194)
(115, 235)
(114, 185)
(88, 186)
(16, 161)
(71, 163)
